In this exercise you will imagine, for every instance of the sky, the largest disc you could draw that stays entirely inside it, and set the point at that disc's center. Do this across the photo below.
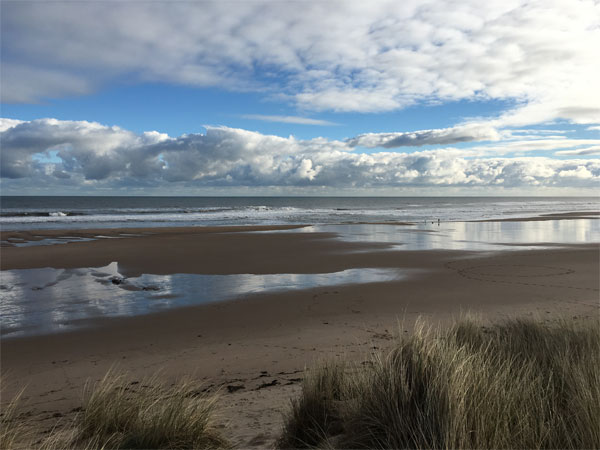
(423, 97)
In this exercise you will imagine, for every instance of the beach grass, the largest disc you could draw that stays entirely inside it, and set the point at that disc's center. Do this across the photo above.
(147, 414)
(118, 413)
(12, 427)
(516, 384)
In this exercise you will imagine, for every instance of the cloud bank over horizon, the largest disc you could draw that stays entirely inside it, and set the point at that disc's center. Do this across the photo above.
(81, 156)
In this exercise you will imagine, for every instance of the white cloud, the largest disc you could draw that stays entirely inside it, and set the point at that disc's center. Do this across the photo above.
(533, 132)
(5, 124)
(289, 119)
(343, 56)
(445, 136)
(580, 172)
(588, 151)
(28, 84)
(88, 155)
(93, 149)
(593, 128)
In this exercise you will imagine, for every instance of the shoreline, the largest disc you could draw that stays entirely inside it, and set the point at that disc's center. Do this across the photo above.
(270, 338)
(34, 234)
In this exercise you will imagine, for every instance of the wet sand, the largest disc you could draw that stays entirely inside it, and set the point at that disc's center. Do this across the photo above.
(261, 343)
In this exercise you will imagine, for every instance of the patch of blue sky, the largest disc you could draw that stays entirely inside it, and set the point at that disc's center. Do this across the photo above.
(413, 118)
(49, 157)
(169, 109)
(584, 131)
(177, 110)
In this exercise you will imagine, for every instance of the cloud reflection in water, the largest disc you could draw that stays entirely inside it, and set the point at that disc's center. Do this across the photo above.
(36, 301)
(469, 236)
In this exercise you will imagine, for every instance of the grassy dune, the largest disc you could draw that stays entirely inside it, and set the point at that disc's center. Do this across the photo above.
(519, 384)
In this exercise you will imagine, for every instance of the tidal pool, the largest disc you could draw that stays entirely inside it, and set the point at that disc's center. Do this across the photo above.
(470, 236)
(19, 242)
(39, 301)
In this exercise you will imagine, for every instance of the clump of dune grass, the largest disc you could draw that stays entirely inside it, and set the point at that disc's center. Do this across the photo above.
(12, 429)
(518, 384)
(119, 414)
(315, 415)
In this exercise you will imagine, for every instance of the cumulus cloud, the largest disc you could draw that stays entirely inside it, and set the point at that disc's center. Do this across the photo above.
(580, 172)
(343, 56)
(445, 136)
(289, 119)
(81, 154)
(93, 149)
(5, 124)
(588, 151)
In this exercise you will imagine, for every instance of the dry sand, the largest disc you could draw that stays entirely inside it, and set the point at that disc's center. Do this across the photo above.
(257, 346)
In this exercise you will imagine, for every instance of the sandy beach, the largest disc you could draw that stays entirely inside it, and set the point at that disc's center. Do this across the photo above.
(299, 224)
(253, 349)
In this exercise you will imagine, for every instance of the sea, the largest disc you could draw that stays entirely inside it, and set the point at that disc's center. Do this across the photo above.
(78, 212)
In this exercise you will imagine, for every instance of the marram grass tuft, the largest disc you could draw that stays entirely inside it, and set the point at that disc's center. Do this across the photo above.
(518, 384)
